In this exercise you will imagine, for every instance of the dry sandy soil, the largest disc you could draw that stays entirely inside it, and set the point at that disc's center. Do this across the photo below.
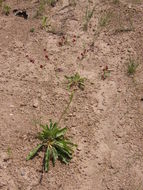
(105, 120)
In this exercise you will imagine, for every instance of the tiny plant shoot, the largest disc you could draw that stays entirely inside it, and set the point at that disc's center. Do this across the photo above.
(88, 16)
(55, 144)
(6, 9)
(106, 73)
(75, 81)
(132, 66)
(44, 22)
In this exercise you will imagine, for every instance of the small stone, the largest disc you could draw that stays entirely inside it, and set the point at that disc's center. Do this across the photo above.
(35, 103)
(59, 70)
(119, 90)
(130, 6)
(79, 148)
(11, 106)
(4, 156)
(22, 104)
(22, 173)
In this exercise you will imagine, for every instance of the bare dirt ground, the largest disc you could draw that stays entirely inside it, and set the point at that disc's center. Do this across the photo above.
(105, 120)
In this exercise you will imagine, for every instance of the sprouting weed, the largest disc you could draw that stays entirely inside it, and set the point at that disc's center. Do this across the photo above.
(44, 22)
(88, 16)
(104, 20)
(106, 73)
(76, 81)
(132, 66)
(6, 9)
(9, 152)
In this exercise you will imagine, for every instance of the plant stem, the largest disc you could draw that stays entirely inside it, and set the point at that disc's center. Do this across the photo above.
(66, 109)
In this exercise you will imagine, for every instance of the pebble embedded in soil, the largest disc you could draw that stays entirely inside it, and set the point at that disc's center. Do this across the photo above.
(4, 157)
(35, 103)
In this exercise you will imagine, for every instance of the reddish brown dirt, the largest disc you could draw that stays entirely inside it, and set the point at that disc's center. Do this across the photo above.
(105, 120)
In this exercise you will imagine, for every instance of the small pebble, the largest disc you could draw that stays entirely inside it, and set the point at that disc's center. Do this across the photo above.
(35, 103)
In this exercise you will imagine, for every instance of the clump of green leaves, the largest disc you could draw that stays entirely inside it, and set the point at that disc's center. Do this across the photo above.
(75, 80)
(6, 9)
(55, 144)
(132, 66)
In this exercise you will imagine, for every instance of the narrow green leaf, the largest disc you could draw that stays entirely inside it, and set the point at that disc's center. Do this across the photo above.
(63, 150)
(43, 126)
(34, 152)
(55, 155)
(61, 132)
(47, 159)
(47, 127)
(63, 158)
(70, 143)
(54, 131)
(54, 125)
(51, 124)
(66, 147)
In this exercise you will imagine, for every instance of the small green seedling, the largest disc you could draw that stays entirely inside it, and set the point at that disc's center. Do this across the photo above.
(55, 145)
(104, 20)
(32, 30)
(6, 9)
(88, 16)
(44, 22)
(75, 80)
(132, 66)
(41, 8)
(9, 152)
(106, 73)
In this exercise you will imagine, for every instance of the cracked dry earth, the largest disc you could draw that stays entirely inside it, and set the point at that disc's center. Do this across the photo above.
(105, 120)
